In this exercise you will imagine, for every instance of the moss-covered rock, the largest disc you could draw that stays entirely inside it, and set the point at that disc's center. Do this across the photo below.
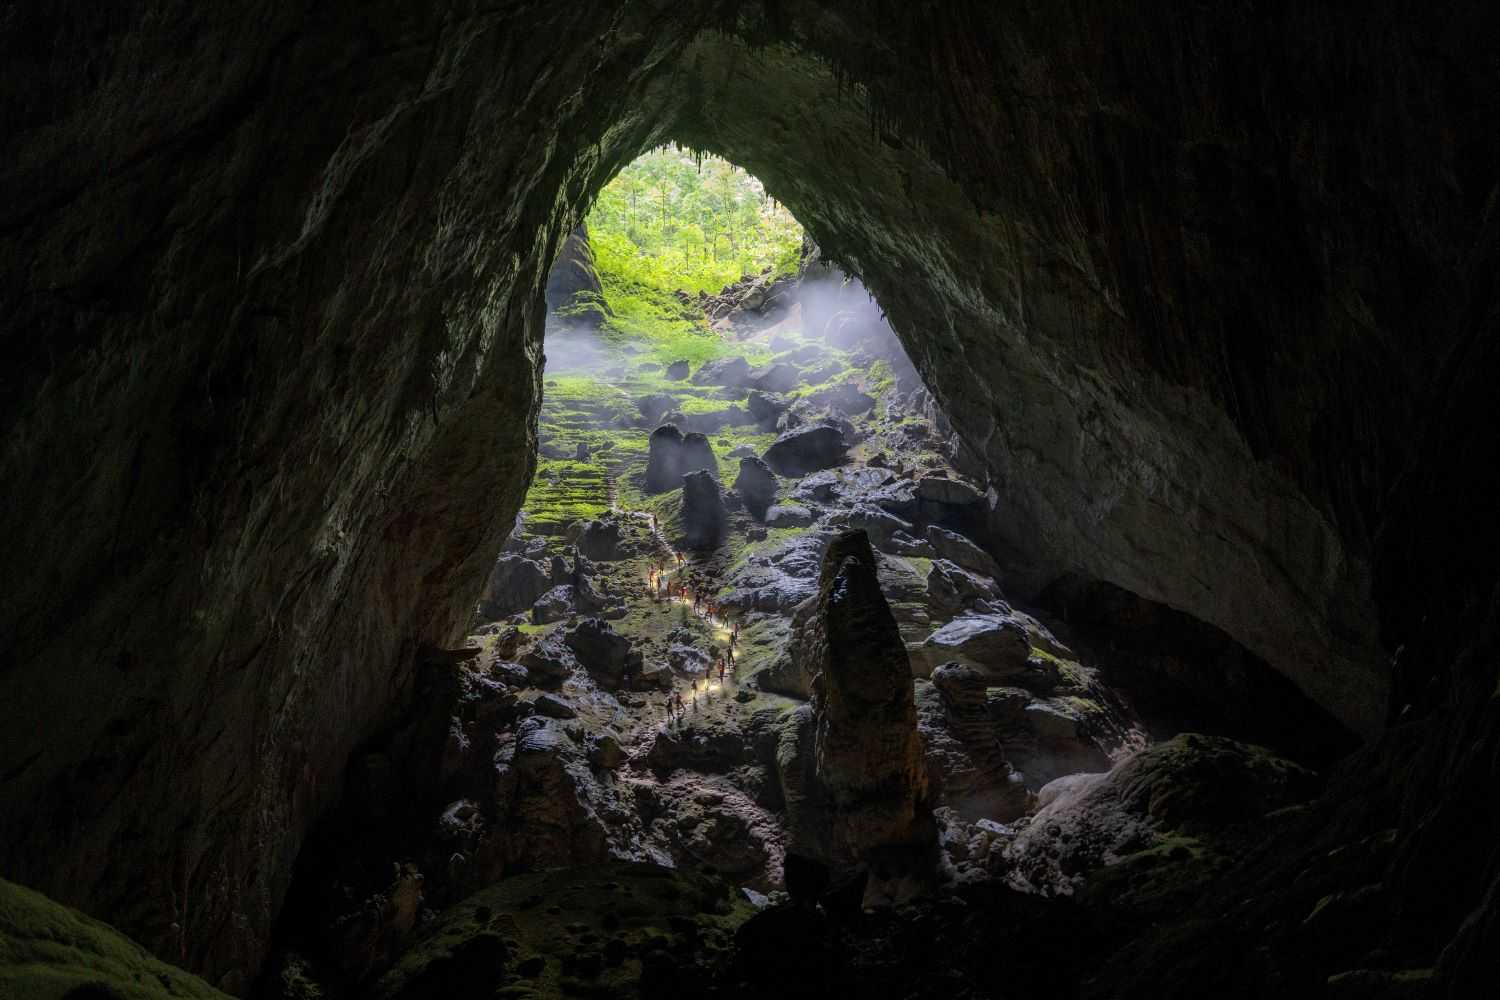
(611, 930)
(52, 952)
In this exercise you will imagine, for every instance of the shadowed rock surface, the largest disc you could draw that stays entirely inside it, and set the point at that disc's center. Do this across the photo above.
(868, 755)
(756, 485)
(703, 514)
(806, 449)
(665, 467)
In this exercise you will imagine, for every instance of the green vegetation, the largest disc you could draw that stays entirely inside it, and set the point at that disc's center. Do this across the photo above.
(675, 220)
(554, 930)
(49, 951)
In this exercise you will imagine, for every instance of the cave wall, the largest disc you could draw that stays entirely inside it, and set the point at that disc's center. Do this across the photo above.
(271, 301)
(1208, 291)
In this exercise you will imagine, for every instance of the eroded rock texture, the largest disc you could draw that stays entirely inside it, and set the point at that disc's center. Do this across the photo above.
(868, 756)
(1207, 292)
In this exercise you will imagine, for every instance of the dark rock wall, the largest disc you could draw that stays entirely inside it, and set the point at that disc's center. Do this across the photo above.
(1208, 288)
(270, 292)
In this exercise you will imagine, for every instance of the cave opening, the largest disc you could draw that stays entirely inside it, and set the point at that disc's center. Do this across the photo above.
(1202, 299)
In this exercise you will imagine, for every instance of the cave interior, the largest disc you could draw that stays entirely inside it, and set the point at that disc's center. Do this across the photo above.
(1139, 640)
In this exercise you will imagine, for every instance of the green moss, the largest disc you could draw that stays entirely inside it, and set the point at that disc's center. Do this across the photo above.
(549, 920)
(47, 950)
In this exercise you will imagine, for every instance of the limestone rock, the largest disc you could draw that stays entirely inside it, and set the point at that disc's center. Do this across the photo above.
(605, 752)
(549, 661)
(880, 525)
(1191, 785)
(765, 407)
(788, 516)
(725, 371)
(554, 808)
(655, 405)
(607, 655)
(869, 756)
(954, 492)
(513, 585)
(956, 548)
(553, 606)
(664, 460)
(704, 519)
(778, 377)
(573, 290)
(973, 776)
(996, 644)
(806, 449)
(698, 454)
(846, 398)
(598, 540)
(951, 589)
(554, 707)
(756, 485)
(677, 371)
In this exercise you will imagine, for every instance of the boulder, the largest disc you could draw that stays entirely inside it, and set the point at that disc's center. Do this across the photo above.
(514, 584)
(953, 492)
(997, 644)
(951, 588)
(687, 659)
(664, 459)
(779, 377)
(846, 398)
(607, 655)
(599, 540)
(677, 371)
(698, 454)
(806, 449)
(655, 406)
(605, 751)
(724, 371)
(902, 544)
(899, 498)
(788, 516)
(704, 519)
(765, 407)
(972, 775)
(822, 487)
(656, 675)
(556, 810)
(553, 707)
(956, 548)
(553, 606)
(548, 661)
(879, 524)
(756, 485)
(1191, 785)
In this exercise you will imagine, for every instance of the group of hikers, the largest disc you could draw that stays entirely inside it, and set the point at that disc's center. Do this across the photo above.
(724, 663)
(664, 587)
(667, 581)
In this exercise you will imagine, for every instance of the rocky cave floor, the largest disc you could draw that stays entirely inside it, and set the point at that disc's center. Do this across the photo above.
(539, 826)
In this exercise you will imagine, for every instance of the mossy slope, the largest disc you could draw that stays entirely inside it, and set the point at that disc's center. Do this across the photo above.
(49, 951)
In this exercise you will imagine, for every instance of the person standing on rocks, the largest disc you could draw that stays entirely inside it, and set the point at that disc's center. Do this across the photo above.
(721, 670)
